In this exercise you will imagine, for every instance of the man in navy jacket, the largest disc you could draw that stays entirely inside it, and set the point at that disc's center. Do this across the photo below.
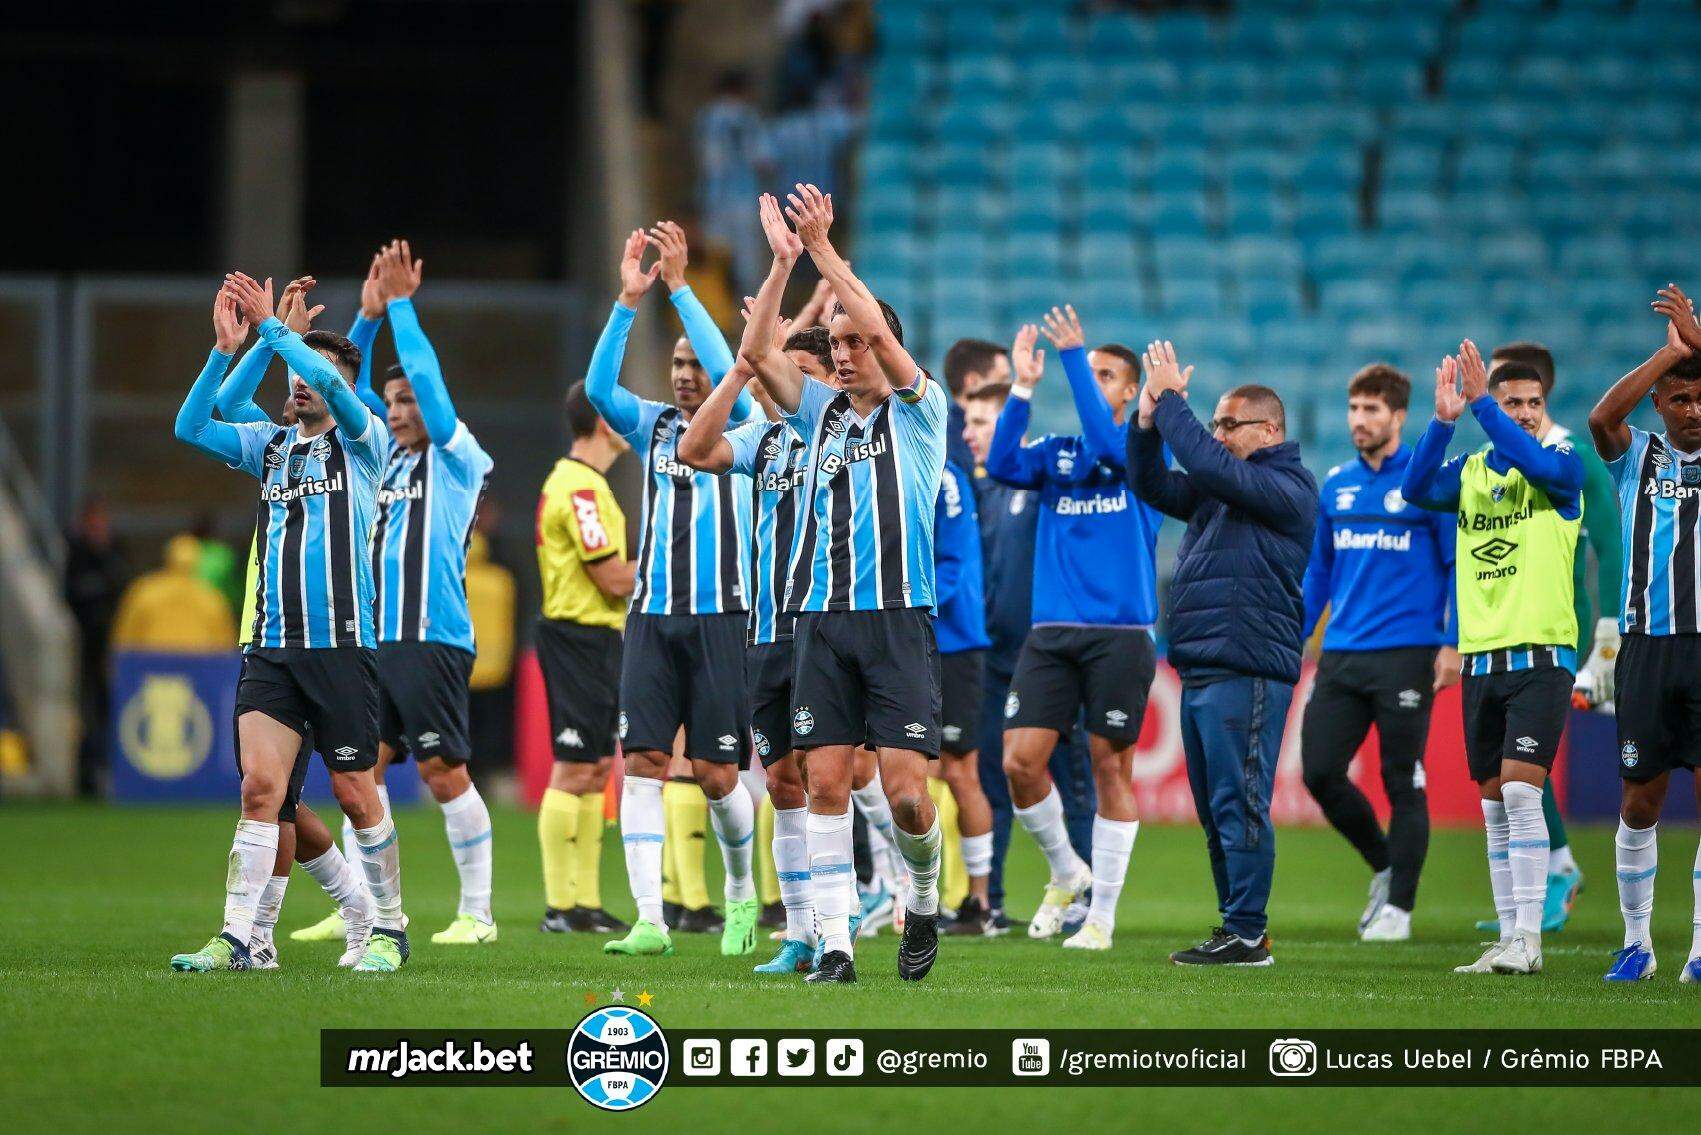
(1234, 621)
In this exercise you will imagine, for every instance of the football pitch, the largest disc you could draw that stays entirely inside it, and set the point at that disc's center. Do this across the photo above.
(97, 1032)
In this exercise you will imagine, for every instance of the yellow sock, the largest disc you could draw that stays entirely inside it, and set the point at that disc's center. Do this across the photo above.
(767, 876)
(587, 851)
(692, 808)
(954, 877)
(557, 824)
(670, 841)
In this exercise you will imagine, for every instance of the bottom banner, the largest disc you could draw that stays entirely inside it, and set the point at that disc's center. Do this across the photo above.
(620, 1057)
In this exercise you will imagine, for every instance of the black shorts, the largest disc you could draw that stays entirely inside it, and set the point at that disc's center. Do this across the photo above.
(327, 693)
(685, 670)
(1063, 670)
(297, 773)
(1659, 705)
(768, 676)
(1515, 715)
(422, 699)
(581, 682)
(866, 677)
(960, 687)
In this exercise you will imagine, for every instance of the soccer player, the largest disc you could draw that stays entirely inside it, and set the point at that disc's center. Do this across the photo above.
(1385, 571)
(1519, 507)
(684, 657)
(581, 559)
(1008, 528)
(1091, 645)
(969, 365)
(1659, 706)
(861, 579)
(312, 663)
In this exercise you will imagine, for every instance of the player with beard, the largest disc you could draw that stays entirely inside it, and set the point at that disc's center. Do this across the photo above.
(1384, 569)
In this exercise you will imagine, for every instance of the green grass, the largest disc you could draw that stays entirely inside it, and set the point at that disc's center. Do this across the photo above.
(96, 1031)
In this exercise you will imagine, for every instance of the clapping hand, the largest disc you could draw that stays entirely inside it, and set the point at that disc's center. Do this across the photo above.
(1449, 403)
(230, 330)
(1163, 371)
(1028, 363)
(253, 297)
(1063, 328)
(1683, 334)
(635, 280)
(668, 237)
(399, 273)
(811, 214)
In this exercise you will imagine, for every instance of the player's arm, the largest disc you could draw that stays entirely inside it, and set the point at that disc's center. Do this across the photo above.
(1152, 480)
(619, 407)
(1106, 441)
(779, 376)
(668, 239)
(364, 333)
(399, 275)
(958, 534)
(704, 443)
(196, 425)
(1008, 460)
(1319, 571)
(235, 400)
(1607, 421)
(811, 213)
(1431, 481)
(349, 411)
(1556, 471)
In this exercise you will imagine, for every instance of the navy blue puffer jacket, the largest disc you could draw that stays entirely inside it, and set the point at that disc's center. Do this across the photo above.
(1235, 601)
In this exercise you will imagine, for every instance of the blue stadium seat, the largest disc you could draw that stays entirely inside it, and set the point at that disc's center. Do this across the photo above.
(1191, 299)
(1186, 256)
(1178, 213)
(1182, 35)
(1107, 256)
(1041, 29)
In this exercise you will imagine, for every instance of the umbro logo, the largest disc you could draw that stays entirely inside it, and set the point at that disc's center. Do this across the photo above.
(916, 729)
(346, 753)
(727, 741)
(1115, 717)
(428, 740)
(570, 738)
(1494, 550)
(1410, 699)
(1526, 744)
(953, 732)
(274, 458)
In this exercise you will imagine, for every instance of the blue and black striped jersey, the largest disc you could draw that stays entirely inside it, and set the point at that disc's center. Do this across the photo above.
(1659, 498)
(772, 456)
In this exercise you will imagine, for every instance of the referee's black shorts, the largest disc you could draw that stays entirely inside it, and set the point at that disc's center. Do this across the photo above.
(581, 682)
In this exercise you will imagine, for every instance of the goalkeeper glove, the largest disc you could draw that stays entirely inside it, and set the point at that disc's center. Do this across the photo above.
(1595, 677)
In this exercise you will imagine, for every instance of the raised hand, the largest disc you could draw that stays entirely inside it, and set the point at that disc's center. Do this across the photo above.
(230, 330)
(782, 325)
(635, 280)
(372, 297)
(669, 241)
(293, 309)
(1028, 363)
(811, 214)
(821, 300)
(253, 297)
(1683, 334)
(1473, 375)
(1063, 328)
(399, 273)
(786, 245)
(1163, 371)
(1449, 403)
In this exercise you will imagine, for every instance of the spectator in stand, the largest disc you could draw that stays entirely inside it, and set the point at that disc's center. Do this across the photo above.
(732, 161)
(95, 573)
(173, 608)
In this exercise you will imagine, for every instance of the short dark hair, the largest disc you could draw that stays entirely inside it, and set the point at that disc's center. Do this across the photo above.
(966, 357)
(1530, 354)
(1265, 400)
(816, 341)
(1686, 370)
(998, 392)
(582, 417)
(394, 372)
(886, 312)
(342, 351)
(1379, 380)
(1126, 354)
(1516, 372)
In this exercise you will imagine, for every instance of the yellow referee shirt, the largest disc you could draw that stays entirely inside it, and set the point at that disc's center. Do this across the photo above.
(578, 522)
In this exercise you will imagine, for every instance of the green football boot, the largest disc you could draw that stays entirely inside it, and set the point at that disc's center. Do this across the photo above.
(645, 938)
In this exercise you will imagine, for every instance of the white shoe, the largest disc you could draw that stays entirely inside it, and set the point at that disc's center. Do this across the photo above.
(1391, 924)
(262, 955)
(1091, 936)
(1378, 898)
(1522, 955)
(1048, 919)
(1484, 964)
(359, 932)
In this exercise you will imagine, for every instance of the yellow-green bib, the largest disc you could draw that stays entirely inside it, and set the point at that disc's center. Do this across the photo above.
(1514, 568)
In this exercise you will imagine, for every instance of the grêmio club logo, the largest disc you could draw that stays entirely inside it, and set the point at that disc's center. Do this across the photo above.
(617, 1058)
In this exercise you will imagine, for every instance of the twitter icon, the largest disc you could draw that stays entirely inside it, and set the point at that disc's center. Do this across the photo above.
(796, 1057)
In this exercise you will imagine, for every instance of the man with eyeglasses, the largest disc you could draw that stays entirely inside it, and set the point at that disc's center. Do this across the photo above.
(1235, 612)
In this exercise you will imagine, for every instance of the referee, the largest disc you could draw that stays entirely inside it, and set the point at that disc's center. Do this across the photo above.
(581, 557)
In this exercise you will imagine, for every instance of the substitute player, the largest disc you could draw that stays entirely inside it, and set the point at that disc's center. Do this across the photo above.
(861, 580)
(581, 559)
(1519, 507)
(312, 663)
(1385, 571)
(684, 656)
(1659, 704)
(1091, 646)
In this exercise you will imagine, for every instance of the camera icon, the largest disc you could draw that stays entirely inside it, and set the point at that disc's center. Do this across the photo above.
(702, 1058)
(1292, 1056)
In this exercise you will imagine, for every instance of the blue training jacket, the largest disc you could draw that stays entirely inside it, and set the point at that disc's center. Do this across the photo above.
(959, 599)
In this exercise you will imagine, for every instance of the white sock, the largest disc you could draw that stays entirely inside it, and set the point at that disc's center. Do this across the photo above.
(266, 914)
(641, 836)
(342, 882)
(977, 855)
(1560, 861)
(1113, 843)
(791, 864)
(381, 862)
(832, 876)
(1044, 821)
(1500, 867)
(733, 817)
(467, 821)
(1695, 937)
(252, 852)
(351, 845)
(1527, 844)
(871, 801)
(1638, 857)
(755, 780)
(921, 859)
